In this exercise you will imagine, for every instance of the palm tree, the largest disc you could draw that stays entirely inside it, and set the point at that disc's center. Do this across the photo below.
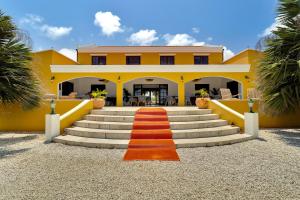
(279, 71)
(17, 82)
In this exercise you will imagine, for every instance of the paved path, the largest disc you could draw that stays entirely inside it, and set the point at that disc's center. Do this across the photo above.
(266, 168)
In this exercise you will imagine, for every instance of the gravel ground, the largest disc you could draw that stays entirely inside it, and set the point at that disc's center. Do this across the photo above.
(265, 168)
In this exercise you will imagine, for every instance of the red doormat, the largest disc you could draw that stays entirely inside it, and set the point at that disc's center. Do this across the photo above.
(151, 137)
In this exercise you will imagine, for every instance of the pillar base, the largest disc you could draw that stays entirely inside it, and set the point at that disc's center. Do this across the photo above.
(251, 124)
(52, 128)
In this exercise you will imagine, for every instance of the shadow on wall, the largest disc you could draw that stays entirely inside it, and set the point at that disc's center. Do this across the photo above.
(289, 136)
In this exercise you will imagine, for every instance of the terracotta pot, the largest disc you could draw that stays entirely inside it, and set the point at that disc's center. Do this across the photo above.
(99, 103)
(202, 103)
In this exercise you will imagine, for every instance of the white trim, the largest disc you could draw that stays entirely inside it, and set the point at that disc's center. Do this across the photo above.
(201, 54)
(133, 54)
(228, 109)
(167, 54)
(98, 54)
(148, 68)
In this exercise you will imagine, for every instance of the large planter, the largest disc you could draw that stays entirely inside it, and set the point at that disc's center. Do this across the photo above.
(202, 103)
(98, 103)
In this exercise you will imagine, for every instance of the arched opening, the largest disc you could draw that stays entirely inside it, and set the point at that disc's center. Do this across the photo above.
(215, 86)
(150, 91)
(81, 88)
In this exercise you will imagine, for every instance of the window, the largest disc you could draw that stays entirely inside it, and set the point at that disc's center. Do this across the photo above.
(167, 60)
(198, 60)
(100, 87)
(202, 86)
(133, 60)
(98, 60)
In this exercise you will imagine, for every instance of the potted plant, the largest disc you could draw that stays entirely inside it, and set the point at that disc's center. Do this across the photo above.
(99, 98)
(202, 98)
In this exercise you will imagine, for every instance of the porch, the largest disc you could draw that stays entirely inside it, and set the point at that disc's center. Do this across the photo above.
(149, 91)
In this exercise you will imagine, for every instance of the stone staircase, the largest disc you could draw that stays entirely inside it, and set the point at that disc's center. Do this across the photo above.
(191, 127)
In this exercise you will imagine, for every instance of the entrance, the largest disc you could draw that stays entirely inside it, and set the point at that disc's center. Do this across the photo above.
(155, 94)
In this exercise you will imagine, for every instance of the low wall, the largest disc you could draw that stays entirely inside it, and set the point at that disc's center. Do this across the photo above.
(14, 118)
(225, 112)
(265, 121)
(76, 113)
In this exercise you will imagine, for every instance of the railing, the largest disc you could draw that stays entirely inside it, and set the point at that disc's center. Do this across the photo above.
(233, 117)
(68, 118)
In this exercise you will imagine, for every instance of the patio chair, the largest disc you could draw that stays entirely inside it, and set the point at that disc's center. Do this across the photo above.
(188, 101)
(133, 101)
(72, 95)
(141, 100)
(252, 93)
(226, 94)
(170, 101)
(148, 101)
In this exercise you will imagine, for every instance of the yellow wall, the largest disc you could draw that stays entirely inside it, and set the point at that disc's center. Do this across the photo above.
(14, 118)
(41, 62)
(283, 121)
(149, 58)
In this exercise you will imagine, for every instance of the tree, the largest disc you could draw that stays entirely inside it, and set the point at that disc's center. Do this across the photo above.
(17, 81)
(279, 71)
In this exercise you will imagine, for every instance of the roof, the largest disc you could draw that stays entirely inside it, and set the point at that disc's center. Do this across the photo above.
(150, 49)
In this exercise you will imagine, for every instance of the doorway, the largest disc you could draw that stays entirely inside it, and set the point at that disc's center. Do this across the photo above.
(156, 94)
(234, 87)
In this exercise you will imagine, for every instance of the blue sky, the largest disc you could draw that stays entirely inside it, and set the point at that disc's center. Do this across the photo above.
(65, 24)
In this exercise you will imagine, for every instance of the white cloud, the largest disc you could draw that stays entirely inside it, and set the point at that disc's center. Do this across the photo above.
(195, 30)
(227, 53)
(108, 23)
(70, 53)
(272, 27)
(31, 19)
(55, 32)
(143, 37)
(209, 38)
(181, 40)
(198, 44)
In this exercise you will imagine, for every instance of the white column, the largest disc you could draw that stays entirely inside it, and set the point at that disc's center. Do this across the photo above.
(52, 128)
(251, 124)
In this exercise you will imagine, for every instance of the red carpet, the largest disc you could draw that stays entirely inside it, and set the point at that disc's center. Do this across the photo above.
(151, 137)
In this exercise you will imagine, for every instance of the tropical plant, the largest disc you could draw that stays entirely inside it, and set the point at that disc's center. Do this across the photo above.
(279, 71)
(17, 81)
(99, 94)
(202, 93)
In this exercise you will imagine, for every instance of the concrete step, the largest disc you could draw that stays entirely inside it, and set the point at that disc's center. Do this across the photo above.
(205, 132)
(172, 118)
(189, 112)
(99, 133)
(170, 111)
(104, 125)
(177, 134)
(128, 125)
(197, 124)
(180, 143)
(212, 141)
(92, 142)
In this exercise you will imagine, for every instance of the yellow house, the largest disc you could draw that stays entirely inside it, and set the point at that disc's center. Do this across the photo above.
(153, 75)
(161, 74)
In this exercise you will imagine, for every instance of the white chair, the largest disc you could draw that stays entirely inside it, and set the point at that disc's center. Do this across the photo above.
(226, 94)
(252, 93)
